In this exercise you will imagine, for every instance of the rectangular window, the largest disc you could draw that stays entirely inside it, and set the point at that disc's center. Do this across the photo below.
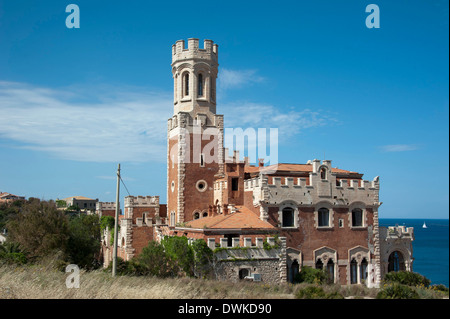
(235, 184)
(324, 217)
(357, 217)
(202, 162)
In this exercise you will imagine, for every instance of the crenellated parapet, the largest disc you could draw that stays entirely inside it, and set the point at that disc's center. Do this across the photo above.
(144, 201)
(208, 52)
(321, 185)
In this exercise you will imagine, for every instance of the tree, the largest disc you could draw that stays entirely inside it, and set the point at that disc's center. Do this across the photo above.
(203, 258)
(83, 245)
(156, 262)
(39, 228)
(178, 249)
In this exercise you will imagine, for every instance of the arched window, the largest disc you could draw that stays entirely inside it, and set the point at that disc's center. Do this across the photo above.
(330, 270)
(357, 217)
(205, 214)
(200, 85)
(324, 217)
(363, 269)
(196, 215)
(319, 264)
(353, 271)
(396, 262)
(186, 84)
(323, 173)
(288, 217)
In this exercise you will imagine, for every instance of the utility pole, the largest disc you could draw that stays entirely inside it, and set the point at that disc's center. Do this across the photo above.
(116, 224)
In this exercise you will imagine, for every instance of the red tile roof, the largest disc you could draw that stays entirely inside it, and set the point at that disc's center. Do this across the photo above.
(286, 167)
(243, 218)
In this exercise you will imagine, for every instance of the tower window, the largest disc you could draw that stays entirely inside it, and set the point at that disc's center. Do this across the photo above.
(323, 173)
(357, 217)
(235, 184)
(186, 84)
(200, 85)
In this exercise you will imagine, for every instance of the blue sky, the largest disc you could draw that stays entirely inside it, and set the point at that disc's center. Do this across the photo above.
(76, 102)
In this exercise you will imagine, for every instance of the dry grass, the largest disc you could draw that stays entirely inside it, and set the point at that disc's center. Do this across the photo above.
(40, 282)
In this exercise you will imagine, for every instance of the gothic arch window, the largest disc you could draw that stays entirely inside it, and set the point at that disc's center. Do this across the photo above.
(319, 264)
(200, 85)
(363, 269)
(288, 217)
(330, 270)
(323, 217)
(353, 271)
(396, 262)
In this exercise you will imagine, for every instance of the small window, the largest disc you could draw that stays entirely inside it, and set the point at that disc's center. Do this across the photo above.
(200, 85)
(324, 217)
(196, 215)
(202, 162)
(235, 184)
(323, 173)
(288, 217)
(341, 223)
(357, 217)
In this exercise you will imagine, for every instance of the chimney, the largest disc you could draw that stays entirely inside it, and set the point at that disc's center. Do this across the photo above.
(261, 162)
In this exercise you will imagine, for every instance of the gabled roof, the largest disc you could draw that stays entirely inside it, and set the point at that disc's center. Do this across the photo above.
(243, 218)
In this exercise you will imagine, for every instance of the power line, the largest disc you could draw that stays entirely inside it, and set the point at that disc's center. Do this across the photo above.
(124, 185)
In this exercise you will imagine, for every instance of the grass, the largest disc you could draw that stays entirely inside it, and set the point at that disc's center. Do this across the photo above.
(44, 282)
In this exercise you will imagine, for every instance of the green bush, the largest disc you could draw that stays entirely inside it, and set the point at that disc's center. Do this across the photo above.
(317, 292)
(10, 253)
(310, 292)
(407, 278)
(397, 291)
(154, 261)
(311, 275)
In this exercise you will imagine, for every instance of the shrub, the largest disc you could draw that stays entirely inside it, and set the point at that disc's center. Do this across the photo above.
(311, 275)
(407, 278)
(317, 292)
(10, 253)
(397, 291)
(310, 292)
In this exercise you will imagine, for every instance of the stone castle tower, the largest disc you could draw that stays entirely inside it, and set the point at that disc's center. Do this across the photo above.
(194, 133)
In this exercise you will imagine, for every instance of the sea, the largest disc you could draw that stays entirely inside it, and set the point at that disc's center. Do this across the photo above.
(430, 247)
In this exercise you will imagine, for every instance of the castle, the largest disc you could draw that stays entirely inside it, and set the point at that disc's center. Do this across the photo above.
(323, 217)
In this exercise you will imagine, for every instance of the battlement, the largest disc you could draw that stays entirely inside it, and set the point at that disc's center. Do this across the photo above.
(136, 201)
(400, 232)
(209, 51)
(105, 206)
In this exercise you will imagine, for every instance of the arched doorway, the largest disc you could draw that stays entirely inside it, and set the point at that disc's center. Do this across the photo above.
(396, 262)
(293, 271)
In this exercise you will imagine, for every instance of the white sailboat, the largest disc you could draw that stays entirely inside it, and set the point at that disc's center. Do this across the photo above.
(424, 225)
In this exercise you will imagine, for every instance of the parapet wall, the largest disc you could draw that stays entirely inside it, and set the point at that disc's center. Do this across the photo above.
(144, 201)
(208, 52)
